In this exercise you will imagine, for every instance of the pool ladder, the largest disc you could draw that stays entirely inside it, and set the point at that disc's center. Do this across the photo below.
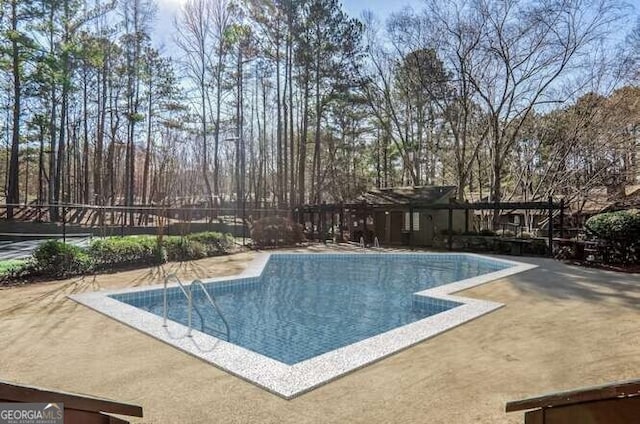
(188, 292)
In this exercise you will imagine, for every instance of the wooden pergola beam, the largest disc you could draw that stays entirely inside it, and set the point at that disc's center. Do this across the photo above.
(14, 392)
(614, 390)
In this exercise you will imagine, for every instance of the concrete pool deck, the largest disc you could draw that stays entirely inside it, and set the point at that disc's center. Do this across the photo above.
(561, 327)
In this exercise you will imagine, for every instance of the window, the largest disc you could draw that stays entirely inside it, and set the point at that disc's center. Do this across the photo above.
(407, 221)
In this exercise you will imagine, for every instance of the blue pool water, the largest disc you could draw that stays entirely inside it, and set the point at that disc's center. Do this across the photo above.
(304, 305)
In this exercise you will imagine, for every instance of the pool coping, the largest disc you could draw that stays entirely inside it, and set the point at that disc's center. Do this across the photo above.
(289, 381)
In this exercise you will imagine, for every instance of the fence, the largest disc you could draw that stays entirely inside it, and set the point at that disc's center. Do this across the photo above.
(68, 219)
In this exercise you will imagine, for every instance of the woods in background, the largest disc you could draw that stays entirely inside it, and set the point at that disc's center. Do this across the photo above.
(289, 102)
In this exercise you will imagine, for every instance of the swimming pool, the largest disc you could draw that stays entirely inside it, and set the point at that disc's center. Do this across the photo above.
(298, 320)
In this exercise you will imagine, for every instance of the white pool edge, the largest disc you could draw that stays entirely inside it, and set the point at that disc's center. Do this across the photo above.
(289, 381)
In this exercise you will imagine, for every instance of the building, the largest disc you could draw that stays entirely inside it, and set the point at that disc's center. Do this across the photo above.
(404, 215)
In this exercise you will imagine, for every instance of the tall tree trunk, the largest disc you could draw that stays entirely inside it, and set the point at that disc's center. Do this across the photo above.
(41, 174)
(147, 150)
(53, 145)
(85, 147)
(316, 151)
(216, 141)
(280, 188)
(302, 151)
(98, 169)
(239, 137)
(263, 147)
(496, 185)
(292, 152)
(64, 108)
(203, 105)
(13, 187)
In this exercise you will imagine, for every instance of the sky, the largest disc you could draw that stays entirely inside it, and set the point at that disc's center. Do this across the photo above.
(168, 9)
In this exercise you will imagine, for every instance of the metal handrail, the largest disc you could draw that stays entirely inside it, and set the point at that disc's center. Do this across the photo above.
(184, 291)
(187, 295)
(212, 301)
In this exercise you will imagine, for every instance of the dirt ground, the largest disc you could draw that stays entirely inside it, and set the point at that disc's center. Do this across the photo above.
(562, 327)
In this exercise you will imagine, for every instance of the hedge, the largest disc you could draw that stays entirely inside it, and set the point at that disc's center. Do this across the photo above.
(55, 259)
(124, 251)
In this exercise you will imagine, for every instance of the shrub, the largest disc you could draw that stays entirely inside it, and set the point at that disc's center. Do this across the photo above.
(12, 265)
(120, 251)
(16, 270)
(57, 259)
(276, 231)
(621, 230)
(182, 248)
(616, 226)
(214, 243)
(487, 232)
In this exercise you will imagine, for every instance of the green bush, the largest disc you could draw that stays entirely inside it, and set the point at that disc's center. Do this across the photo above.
(621, 232)
(182, 248)
(487, 232)
(122, 251)
(274, 231)
(214, 243)
(10, 266)
(616, 226)
(16, 270)
(57, 259)
(130, 250)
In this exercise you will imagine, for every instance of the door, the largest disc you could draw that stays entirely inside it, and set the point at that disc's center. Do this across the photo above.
(396, 228)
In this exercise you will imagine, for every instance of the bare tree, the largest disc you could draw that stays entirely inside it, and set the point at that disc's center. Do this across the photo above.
(202, 37)
(521, 51)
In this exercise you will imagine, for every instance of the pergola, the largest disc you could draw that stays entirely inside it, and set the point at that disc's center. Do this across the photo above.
(326, 215)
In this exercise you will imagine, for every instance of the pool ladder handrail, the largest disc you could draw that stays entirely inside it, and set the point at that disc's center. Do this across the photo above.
(189, 295)
(213, 303)
(362, 244)
(182, 288)
(376, 243)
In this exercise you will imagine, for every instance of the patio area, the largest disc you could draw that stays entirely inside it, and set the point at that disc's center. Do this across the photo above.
(561, 327)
